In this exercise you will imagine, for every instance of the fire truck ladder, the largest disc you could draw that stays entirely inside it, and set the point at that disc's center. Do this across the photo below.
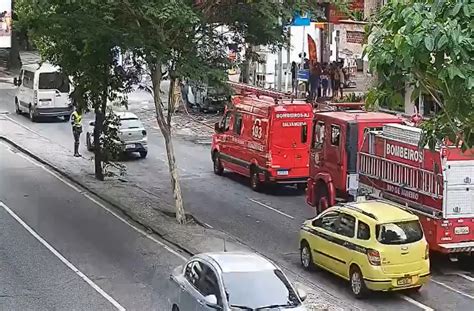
(244, 89)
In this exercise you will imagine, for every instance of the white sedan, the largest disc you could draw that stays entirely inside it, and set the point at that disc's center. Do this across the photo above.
(132, 134)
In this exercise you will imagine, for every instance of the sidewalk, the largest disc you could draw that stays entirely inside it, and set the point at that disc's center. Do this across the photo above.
(154, 211)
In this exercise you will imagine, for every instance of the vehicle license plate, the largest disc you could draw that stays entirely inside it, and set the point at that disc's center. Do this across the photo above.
(130, 146)
(461, 230)
(404, 281)
(282, 173)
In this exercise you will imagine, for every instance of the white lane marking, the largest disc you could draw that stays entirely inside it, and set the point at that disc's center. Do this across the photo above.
(467, 277)
(79, 190)
(271, 208)
(453, 289)
(63, 259)
(416, 303)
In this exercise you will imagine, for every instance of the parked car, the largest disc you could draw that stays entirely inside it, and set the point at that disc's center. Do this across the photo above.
(264, 137)
(132, 134)
(233, 281)
(43, 91)
(375, 245)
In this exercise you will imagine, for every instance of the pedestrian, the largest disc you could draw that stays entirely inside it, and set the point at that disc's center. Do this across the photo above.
(325, 79)
(294, 81)
(336, 82)
(315, 80)
(342, 80)
(76, 123)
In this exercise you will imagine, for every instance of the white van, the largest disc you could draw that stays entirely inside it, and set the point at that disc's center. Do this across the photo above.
(43, 91)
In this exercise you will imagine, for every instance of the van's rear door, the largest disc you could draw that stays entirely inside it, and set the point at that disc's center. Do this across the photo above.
(289, 139)
(53, 90)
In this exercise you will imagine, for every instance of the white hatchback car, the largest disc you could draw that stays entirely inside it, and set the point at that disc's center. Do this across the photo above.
(132, 134)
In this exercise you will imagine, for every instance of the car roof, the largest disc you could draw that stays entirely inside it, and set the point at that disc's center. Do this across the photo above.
(379, 211)
(238, 262)
(125, 115)
(44, 67)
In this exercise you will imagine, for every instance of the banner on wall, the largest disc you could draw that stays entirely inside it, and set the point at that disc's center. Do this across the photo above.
(313, 54)
(5, 23)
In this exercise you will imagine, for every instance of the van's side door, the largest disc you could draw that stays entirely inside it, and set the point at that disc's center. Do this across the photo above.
(224, 138)
(237, 146)
(333, 153)
(26, 89)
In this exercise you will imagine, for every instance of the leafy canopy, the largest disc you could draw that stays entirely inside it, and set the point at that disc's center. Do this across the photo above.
(428, 44)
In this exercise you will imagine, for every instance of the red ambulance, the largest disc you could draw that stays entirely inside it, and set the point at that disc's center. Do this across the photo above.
(264, 135)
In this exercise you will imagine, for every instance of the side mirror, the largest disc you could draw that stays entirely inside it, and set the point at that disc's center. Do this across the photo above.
(211, 300)
(92, 123)
(301, 293)
(217, 128)
(317, 222)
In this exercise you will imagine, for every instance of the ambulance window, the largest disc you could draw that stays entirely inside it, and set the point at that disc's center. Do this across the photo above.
(226, 121)
(318, 134)
(238, 124)
(304, 134)
(335, 135)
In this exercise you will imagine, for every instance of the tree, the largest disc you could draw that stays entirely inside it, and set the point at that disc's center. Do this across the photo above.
(81, 39)
(427, 45)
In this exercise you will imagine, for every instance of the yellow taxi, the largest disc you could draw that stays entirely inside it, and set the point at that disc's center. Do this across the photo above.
(375, 245)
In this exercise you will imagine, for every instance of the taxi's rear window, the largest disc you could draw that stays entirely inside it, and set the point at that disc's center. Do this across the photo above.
(397, 233)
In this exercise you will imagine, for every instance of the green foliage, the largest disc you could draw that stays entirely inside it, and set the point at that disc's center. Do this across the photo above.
(350, 98)
(428, 44)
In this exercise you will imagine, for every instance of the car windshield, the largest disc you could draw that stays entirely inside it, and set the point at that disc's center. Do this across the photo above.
(130, 123)
(399, 232)
(259, 289)
(54, 81)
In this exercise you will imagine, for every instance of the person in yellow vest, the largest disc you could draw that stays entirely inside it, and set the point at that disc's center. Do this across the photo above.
(76, 121)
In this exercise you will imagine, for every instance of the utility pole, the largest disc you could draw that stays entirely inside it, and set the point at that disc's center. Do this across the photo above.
(280, 58)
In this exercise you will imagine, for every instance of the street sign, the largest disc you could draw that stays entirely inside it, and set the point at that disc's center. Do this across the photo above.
(301, 20)
(303, 74)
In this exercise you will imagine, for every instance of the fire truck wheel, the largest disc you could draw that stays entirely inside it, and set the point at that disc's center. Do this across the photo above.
(218, 167)
(255, 182)
(322, 198)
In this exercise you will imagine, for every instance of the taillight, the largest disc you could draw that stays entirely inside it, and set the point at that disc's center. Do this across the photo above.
(269, 159)
(374, 257)
(35, 97)
(427, 252)
(144, 133)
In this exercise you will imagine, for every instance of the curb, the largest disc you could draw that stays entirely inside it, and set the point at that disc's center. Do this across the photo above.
(103, 198)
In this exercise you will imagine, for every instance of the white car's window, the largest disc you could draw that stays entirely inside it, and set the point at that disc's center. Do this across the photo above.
(130, 124)
(399, 232)
(259, 289)
(208, 284)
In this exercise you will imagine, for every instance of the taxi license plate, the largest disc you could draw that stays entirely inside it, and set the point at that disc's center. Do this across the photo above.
(282, 173)
(404, 281)
(130, 146)
(461, 230)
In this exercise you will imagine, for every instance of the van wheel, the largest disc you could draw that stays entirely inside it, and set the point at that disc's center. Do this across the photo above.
(218, 167)
(17, 107)
(358, 287)
(88, 142)
(322, 198)
(306, 257)
(175, 308)
(31, 114)
(255, 182)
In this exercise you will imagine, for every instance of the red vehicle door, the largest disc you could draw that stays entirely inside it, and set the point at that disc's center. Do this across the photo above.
(334, 154)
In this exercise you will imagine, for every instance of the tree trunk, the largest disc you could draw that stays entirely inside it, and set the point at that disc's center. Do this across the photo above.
(98, 128)
(164, 122)
(14, 60)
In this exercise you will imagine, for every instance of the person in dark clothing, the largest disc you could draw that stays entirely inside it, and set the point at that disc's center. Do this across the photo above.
(325, 80)
(294, 81)
(315, 80)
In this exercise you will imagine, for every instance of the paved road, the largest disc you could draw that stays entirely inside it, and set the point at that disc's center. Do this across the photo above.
(266, 222)
(60, 249)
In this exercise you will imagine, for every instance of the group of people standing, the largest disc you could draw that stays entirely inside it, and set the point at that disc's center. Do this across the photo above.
(325, 80)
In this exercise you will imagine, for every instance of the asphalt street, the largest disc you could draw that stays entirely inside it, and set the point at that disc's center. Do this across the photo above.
(268, 222)
(62, 249)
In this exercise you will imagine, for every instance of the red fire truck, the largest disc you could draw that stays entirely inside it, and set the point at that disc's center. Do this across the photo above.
(264, 135)
(374, 154)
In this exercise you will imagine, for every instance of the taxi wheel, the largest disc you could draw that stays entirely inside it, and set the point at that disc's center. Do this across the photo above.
(31, 114)
(306, 257)
(357, 283)
(218, 167)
